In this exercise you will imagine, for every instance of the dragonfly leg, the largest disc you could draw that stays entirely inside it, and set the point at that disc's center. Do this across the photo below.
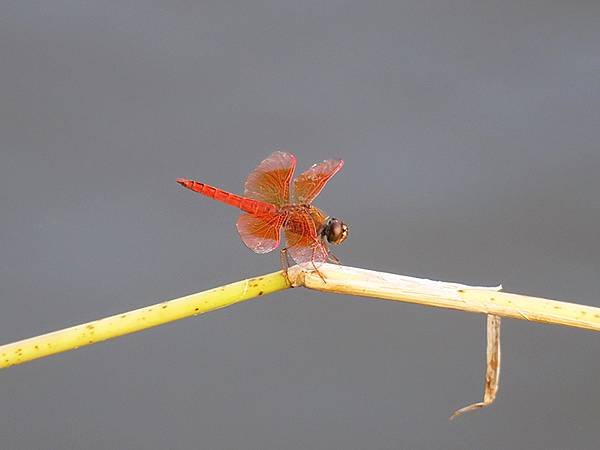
(334, 259)
(285, 264)
(312, 260)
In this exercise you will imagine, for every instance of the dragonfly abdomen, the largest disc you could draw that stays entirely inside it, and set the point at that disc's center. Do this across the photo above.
(244, 203)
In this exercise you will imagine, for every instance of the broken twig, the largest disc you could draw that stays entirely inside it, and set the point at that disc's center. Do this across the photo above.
(492, 371)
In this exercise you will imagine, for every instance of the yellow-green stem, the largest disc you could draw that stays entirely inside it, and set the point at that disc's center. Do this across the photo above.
(340, 279)
(139, 319)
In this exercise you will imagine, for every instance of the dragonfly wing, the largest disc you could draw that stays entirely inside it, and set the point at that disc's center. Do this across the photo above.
(302, 242)
(310, 183)
(261, 234)
(270, 181)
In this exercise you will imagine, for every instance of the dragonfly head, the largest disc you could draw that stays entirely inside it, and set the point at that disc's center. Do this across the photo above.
(335, 231)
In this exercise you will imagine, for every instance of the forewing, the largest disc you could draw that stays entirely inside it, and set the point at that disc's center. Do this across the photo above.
(261, 234)
(310, 183)
(302, 241)
(270, 181)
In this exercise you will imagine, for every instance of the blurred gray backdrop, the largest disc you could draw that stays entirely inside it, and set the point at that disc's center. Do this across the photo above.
(470, 132)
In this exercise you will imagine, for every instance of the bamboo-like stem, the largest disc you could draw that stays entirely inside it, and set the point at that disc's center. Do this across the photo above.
(339, 279)
(484, 300)
(139, 319)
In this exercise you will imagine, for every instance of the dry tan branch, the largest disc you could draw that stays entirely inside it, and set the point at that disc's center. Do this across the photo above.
(484, 300)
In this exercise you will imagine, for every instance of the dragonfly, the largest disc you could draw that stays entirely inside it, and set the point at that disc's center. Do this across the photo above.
(272, 202)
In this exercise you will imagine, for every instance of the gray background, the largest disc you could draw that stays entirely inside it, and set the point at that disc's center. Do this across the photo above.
(470, 134)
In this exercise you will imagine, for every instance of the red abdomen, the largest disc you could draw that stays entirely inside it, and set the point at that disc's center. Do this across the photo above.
(244, 203)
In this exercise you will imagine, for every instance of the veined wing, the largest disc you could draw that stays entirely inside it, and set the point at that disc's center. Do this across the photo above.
(270, 181)
(260, 233)
(310, 183)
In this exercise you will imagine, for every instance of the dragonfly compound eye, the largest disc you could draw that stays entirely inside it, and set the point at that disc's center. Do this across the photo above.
(336, 231)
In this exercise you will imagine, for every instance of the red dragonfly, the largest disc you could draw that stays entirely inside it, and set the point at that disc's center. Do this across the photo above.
(269, 205)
